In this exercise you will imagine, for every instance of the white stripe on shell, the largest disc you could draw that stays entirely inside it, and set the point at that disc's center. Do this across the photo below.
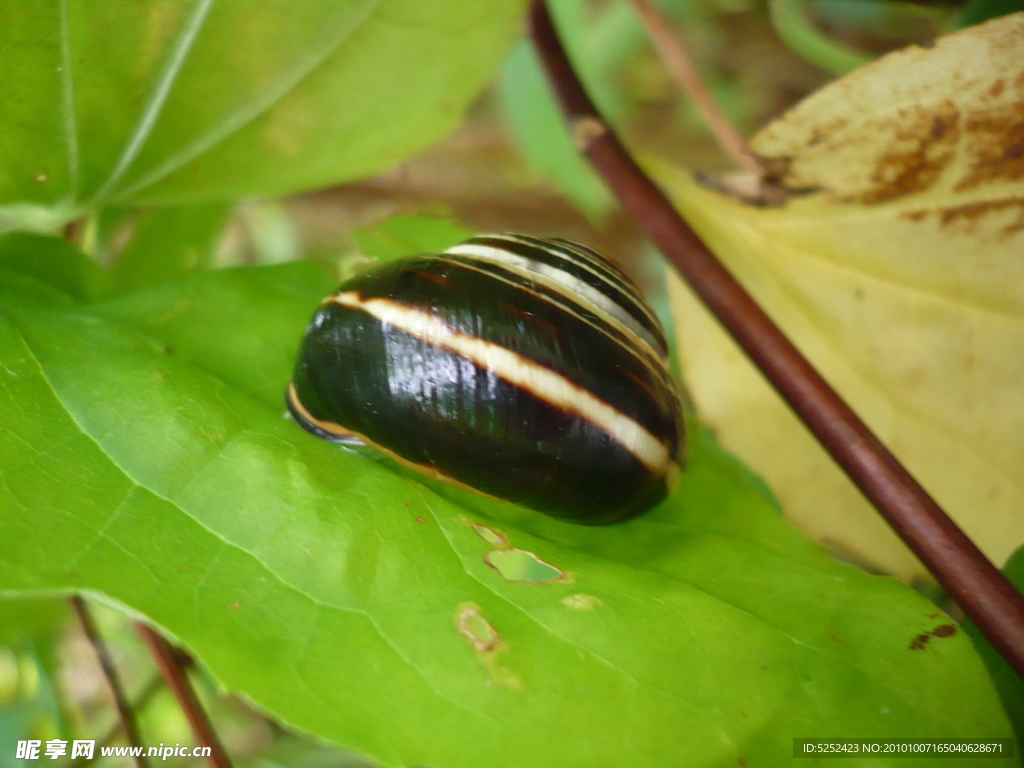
(586, 258)
(629, 341)
(517, 370)
(578, 288)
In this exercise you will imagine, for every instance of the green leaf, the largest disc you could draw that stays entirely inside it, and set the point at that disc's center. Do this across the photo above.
(1008, 682)
(599, 45)
(403, 235)
(54, 262)
(977, 11)
(540, 132)
(23, 619)
(292, 752)
(169, 101)
(166, 243)
(147, 458)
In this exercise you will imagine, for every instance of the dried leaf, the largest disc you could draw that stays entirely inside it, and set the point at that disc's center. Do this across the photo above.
(899, 273)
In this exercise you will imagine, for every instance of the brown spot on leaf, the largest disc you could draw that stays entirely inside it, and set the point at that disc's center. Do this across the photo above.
(826, 131)
(924, 144)
(919, 642)
(998, 137)
(741, 761)
(997, 88)
(419, 520)
(967, 218)
(971, 212)
(943, 630)
(485, 640)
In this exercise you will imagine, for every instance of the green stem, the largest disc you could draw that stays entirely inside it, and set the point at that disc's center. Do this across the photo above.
(790, 20)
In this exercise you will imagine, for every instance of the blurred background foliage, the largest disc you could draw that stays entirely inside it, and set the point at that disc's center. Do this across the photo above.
(510, 165)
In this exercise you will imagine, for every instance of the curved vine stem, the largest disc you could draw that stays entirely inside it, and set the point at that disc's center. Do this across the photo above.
(789, 17)
(978, 587)
(677, 63)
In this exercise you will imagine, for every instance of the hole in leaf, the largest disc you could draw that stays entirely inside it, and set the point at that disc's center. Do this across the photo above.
(491, 536)
(474, 627)
(520, 565)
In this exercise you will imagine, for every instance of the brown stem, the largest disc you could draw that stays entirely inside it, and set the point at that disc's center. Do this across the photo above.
(124, 710)
(140, 703)
(678, 64)
(978, 587)
(178, 682)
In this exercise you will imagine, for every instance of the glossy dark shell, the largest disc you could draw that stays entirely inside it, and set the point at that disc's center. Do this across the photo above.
(489, 371)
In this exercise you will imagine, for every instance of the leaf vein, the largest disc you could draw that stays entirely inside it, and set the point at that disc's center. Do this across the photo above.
(158, 96)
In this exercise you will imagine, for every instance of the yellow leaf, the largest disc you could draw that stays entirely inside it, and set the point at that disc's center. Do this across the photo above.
(899, 271)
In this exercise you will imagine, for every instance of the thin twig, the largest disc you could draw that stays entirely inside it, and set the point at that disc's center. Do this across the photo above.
(124, 710)
(960, 567)
(141, 702)
(678, 64)
(177, 680)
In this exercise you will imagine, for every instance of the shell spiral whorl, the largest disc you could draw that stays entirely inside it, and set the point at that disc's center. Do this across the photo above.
(524, 368)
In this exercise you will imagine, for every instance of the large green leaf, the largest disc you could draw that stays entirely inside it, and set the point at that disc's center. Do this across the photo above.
(147, 458)
(185, 100)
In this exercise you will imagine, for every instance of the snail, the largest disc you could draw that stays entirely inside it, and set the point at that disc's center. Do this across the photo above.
(522, 368)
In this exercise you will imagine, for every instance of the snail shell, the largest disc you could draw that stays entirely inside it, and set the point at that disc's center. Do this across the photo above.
(523, 368)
